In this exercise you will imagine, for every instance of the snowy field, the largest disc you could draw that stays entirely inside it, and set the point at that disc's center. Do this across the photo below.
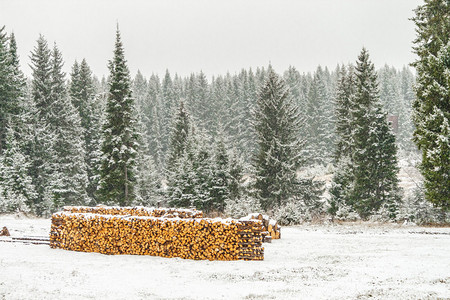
(354, 261)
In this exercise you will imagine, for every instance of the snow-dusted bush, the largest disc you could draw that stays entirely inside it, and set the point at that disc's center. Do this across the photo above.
(346, 213)
(242, 207)
(291, 213)
(297, 211)
(12, 202)
(418, 210)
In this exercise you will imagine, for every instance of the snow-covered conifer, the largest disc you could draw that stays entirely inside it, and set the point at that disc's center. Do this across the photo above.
(119, 148)
(276, 123)
(69, 178)
(431, 108)
(374, 159)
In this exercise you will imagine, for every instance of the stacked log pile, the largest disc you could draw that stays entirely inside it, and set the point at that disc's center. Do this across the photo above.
(213, 239)
(271, 231)
(137, 211)
(250, 240)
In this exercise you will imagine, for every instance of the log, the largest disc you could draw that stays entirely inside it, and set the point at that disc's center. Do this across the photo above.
(5, 232)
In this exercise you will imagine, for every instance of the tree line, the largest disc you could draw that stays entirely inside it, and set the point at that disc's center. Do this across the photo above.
(234, 144)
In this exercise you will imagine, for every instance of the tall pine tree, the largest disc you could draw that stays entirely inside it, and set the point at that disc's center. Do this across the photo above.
(41, 147)
(89, 106)
(69, 177)
(432, 106)
(119, 148)
(374, 160)
(11, 83)
(277, 158)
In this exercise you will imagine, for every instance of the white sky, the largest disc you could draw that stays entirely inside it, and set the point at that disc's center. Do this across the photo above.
(187, 36)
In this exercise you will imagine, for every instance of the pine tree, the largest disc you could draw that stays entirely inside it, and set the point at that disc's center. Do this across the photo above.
(11, 83)
(431, 108)
(69, 177)
(219, 97)
(344, 97)
(119, 148)
(276, 124)
(82, 95)
(200, 152)
(18, 81)
(169, 105)
(318, 121)
(153, 116)
(181, 182)
(40, 147)
(18, 190)
(147, 180)
(221, 181)
(179, 136)
(140, 87)
(41, 85)
(236, 174)
(4, 86)
(406, 126)
(374, 151)
(181, 175)
(343, 177)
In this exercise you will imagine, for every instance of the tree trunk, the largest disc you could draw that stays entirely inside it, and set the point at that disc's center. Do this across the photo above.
(126, 185)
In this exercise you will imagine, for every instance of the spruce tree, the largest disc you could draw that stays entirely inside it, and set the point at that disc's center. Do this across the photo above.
(343, 105)
(40, 149)
(119, 148)
(69, 177)
(11, 83)
(200, 153)
(318, 120)
(147, 180)
(181, 175)
(169, 105)
(236, 174)
(276, 123)
(4, 86)
(18, 191)
(179, 136)
(406, 125)
(153, 116)
(374, 157)
(18, 81)
(431, 108)
(82, 95)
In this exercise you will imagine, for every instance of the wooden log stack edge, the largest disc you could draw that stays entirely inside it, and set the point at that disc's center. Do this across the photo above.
(272, 231)
(190, 238)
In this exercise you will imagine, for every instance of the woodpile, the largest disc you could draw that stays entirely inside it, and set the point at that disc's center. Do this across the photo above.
(4, 232)
(271, 231)
(100, 231)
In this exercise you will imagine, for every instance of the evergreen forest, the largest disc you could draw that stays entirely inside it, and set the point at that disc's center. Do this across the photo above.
(328, 144)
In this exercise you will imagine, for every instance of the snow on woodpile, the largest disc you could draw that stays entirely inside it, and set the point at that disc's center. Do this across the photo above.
(137, 211)
(190, 238)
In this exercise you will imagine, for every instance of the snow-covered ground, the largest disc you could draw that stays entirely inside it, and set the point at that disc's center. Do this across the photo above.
(354, 261)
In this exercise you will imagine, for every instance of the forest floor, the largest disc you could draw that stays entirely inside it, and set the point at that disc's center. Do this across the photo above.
(333, 261)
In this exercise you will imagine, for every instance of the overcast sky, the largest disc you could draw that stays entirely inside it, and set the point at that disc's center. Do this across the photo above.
(187, 36)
